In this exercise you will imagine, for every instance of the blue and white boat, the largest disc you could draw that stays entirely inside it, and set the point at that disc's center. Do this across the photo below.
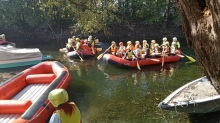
(17, 57)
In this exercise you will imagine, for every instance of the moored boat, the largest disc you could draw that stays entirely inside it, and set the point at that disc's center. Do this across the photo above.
(23, 98)
(197, 96)
(120, 62)
(16, 57)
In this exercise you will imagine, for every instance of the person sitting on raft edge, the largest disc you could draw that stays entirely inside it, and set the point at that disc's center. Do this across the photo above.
(66, 112)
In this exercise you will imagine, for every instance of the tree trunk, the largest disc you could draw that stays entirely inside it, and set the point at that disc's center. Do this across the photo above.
(201, 25)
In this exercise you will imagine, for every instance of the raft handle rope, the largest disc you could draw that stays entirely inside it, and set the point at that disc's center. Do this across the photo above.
(49, 101)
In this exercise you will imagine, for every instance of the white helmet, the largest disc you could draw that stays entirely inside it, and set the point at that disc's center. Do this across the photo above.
(156, 45)
(165, 39)
(85, 40)
(129, 42)
(69, 40)
(174, 38)
(166, 42)
(137, 42)
(153, 41)
(144, 41)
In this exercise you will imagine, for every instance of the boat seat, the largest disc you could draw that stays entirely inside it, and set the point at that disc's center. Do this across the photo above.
(40, 78)
(14, 106)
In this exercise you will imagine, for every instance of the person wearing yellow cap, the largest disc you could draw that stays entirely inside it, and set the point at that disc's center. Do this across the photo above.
(165, 41)
(145, 49)
(78, 46)
(66, 112)
(156, 51)
(137, 49)
(130, 46)
(121, 50)
(113, 48)
(69, 45)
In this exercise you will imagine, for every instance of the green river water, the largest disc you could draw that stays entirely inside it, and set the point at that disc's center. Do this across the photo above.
(107, 94)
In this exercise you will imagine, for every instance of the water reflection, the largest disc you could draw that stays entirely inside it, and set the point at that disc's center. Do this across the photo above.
(107, 94)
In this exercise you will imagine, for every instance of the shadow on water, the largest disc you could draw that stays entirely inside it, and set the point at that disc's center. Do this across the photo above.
(108, 94)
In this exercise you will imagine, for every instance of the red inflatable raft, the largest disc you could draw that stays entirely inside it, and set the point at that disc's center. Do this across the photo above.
(23, 98)
(120, 62)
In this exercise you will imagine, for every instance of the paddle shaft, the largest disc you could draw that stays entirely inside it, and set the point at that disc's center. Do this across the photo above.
(100, 56)
(78, 55)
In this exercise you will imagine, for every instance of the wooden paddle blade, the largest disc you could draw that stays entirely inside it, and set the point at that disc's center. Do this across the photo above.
(93, 51)
(81, 59)
(100, 56)
(157, 60)
(138, 66)
(62, 50)
(180, 55)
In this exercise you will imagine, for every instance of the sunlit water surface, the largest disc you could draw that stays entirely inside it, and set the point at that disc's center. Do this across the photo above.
(108, 94)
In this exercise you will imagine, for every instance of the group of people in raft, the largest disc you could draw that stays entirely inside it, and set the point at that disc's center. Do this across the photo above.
(132, 52)
(75, 43)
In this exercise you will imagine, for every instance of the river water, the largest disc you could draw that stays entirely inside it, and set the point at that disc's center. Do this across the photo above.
(108, 94)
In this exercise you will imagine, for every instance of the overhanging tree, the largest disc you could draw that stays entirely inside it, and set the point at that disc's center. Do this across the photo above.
(201, 23)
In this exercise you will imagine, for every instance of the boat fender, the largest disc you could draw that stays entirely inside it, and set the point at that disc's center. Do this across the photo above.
(14, 106)
(40, 78)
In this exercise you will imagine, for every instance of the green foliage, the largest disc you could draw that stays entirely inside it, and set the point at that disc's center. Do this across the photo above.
(85, 16)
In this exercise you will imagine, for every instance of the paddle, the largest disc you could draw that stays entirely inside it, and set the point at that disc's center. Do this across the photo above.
(180, 55)
(78, 55)
(100, 56)
(190, 58)
(138, 66)
(157, 60)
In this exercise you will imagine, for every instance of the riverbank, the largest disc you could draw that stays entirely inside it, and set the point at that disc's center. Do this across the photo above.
(118, 32)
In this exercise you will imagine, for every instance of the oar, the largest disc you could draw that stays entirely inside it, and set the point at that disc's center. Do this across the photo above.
(62, 50)
(190, 58)
(157, 60)
(100, 56)
(138, 66)
(180, 55)
(78, 55)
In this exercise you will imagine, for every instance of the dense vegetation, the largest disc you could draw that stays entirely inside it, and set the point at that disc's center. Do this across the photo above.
(87, 16)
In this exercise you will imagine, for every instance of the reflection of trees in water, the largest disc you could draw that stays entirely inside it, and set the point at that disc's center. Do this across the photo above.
(141, 78)
(81, 67)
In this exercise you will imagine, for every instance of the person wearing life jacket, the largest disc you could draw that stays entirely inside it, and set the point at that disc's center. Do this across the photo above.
(156, 51)
(74, 40)
(177, 42)
(66, 112)
(173, 48)
(85, 45)
(165, 41)
(152, 45)
(130, 46)
(145, 49)
(137, 49)
(78, 44)
(166, 48)
(129, 55)
(121, 50)
(113, 48)
(3, 40)
(69, 45)
(3, 37)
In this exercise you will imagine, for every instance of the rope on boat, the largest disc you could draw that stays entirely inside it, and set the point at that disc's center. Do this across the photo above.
(49, 101)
